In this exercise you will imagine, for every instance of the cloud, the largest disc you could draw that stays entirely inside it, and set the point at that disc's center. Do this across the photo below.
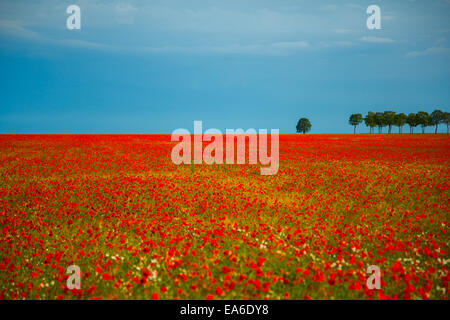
(355, 6)
(16, 29)
(269, 48)
(330, 7)
(376, 39)
(440, 47)
(85, 44)
(429, 51)
(247, 47)
(274, 48)
(125, 13)
(342, 31)
(231, 27)
(342, 44)
(290, 45)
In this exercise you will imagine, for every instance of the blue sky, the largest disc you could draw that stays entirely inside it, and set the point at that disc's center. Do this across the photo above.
(154, 66)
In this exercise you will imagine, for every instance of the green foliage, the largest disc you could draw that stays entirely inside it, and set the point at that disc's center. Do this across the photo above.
(369, 120)
(412, 120)
(355, 119)
(400, 119)
(303, 125)
(389, 119)
(424, 120)
(380, 121)
(437, 116)
(446, 119)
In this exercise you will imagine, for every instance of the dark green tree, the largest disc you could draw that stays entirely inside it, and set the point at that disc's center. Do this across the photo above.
(389, 119)
(412, 121)
(303, 125)
(369, 120)
(380, 121)
(354, 120)
(400, 120)
(437, 116)
(446, 119)
(424, 120)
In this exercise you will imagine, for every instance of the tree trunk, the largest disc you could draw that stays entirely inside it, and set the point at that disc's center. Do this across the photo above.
(390, 129)
(435, 131)
(354, 129)
(423, 129)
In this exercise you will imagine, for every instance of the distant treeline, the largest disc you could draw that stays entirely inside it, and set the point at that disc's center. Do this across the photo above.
(390, 118)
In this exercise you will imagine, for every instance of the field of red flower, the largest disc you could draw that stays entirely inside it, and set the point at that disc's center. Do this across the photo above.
(140, 227)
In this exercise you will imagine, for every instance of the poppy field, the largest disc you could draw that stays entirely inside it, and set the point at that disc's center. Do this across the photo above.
(140, 227)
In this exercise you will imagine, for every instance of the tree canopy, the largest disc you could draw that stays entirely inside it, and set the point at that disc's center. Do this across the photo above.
(391, 118)
(355, 119)
(424, 120)
(437, 117)
(446, 119)
(369, 120)
(400, 121)
(303, 125)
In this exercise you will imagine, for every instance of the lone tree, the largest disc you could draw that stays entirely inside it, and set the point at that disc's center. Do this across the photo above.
(354, 120)
(424, 120)
(437, 116)
(303, 125)
(369, 120)
(389, 119)
(446, 119)
(412, 121)
(400, 120)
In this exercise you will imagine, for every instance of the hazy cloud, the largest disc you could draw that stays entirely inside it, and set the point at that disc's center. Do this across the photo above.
(16, 29)
(429, 51)
(376, 39)
(263, 27)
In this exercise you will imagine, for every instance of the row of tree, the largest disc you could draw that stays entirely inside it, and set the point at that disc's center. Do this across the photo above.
(390, 118)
